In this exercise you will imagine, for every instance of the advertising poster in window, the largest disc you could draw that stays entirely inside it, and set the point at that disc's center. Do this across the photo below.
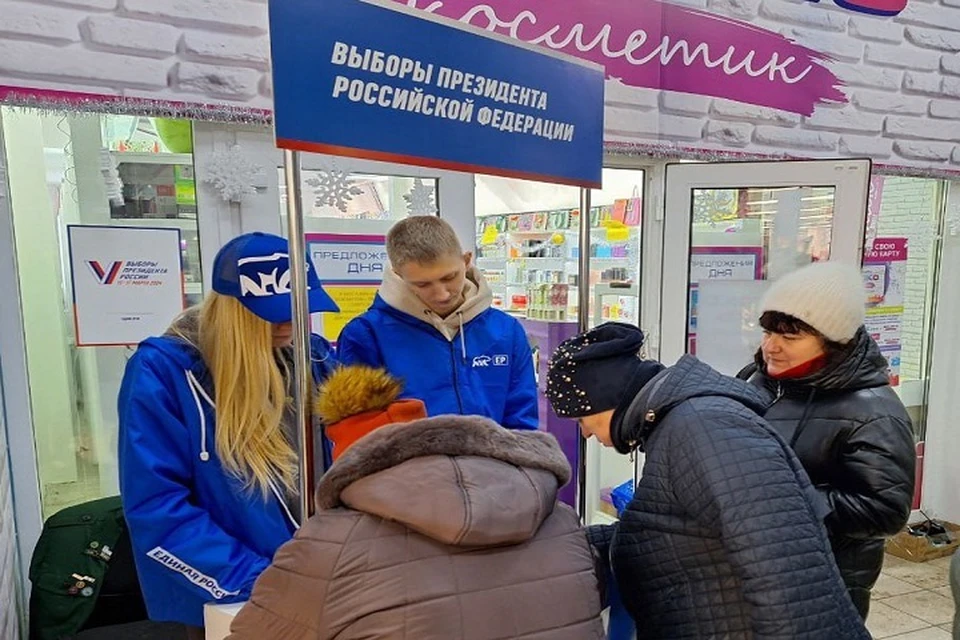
(127, 283)
(351, 268)
(718, 264)
(885, 279)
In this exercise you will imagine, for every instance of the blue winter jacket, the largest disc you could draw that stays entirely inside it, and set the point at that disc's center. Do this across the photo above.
(477, 361)
(198, 536)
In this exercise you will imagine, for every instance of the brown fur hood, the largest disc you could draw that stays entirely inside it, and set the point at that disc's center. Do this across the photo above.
(463, 480)
(355, 389)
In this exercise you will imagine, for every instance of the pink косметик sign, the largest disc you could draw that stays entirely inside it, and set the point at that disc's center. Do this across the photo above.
(656, 45)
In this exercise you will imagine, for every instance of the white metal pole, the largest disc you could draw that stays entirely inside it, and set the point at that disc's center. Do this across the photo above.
(583, 317)
(301, 329)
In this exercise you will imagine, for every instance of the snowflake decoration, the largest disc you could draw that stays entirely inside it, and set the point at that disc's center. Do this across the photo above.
(333, 189)
(232, 174)
(420, 200)
(714, 205)
(111, 177)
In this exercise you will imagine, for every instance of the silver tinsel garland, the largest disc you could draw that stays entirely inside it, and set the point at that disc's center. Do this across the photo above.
(675, 152)
(74, 104)
(80, 104)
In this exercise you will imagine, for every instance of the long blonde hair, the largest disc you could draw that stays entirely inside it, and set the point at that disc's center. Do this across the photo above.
(250, 394)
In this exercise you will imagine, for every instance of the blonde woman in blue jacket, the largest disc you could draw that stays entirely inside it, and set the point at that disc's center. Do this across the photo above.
(208, 439)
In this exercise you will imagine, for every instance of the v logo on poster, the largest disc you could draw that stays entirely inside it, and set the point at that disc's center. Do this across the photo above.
(105, 275)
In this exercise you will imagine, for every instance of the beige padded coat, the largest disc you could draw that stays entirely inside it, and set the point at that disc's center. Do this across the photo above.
(442, 529)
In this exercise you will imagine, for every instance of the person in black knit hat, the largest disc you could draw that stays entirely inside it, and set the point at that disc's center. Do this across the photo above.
(724, 537)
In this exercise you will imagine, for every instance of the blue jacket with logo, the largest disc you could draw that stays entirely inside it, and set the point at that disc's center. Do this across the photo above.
(198, 536)
(477, 361)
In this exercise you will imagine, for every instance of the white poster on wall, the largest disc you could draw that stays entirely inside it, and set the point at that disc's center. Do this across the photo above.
(728, 328)
(738, 264)
(127, 283)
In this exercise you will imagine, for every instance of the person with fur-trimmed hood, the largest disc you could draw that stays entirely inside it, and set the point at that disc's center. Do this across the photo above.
(428, 528)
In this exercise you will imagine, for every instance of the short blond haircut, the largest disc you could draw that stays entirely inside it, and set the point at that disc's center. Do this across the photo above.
(423, 240)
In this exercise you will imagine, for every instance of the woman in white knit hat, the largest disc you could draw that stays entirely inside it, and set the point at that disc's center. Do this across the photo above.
(835, 407)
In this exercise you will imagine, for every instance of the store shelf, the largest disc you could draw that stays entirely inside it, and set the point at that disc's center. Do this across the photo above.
(593, 260)
(517, 277)
(540, 260)
(536, 232)
(633, 231)
(526, 259)
(152, 158)
(185, 224)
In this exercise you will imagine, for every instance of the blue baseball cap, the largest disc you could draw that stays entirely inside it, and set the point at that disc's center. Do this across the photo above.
(255, 269)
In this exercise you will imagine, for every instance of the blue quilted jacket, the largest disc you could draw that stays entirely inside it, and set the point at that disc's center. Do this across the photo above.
(724, 537)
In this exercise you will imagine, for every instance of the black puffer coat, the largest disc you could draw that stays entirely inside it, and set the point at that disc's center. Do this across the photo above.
(855, 440)
(724, 537)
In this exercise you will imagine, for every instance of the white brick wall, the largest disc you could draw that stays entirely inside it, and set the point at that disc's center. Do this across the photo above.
(216, 52)
(908, 210)
(120, 35)
(201, 51)
(902, 78)
(862, 146)
(895, 103)
(879, 30)
(40, 23)
(934, 39)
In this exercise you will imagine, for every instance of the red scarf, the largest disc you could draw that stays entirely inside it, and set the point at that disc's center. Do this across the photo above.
(808, 368)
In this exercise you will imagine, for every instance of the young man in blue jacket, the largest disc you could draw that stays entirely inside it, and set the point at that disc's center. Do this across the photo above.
(432, 325)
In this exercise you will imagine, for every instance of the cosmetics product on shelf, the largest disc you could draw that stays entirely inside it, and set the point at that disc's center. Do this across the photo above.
(532, 257)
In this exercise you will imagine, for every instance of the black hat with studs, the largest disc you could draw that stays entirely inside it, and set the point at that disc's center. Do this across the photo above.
(591, 372)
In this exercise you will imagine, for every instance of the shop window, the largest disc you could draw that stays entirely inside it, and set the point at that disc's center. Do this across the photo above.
(740, 240)
(743, 238)
(903, 226)
(353, 208)
(95, 171)
(337, 195)
(528, 246)
(615, 238)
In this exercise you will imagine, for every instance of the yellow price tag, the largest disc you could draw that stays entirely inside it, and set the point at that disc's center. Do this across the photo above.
(490, 235)
(616, 231)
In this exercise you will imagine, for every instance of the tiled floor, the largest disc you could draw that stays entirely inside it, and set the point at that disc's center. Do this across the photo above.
(912, 601)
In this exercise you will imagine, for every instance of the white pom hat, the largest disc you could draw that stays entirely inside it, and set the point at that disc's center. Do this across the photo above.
(828, 296)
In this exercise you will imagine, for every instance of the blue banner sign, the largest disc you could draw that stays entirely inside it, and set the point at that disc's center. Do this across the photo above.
(374, 79)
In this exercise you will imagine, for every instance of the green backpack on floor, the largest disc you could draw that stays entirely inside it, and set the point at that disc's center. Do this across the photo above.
(82, 572)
